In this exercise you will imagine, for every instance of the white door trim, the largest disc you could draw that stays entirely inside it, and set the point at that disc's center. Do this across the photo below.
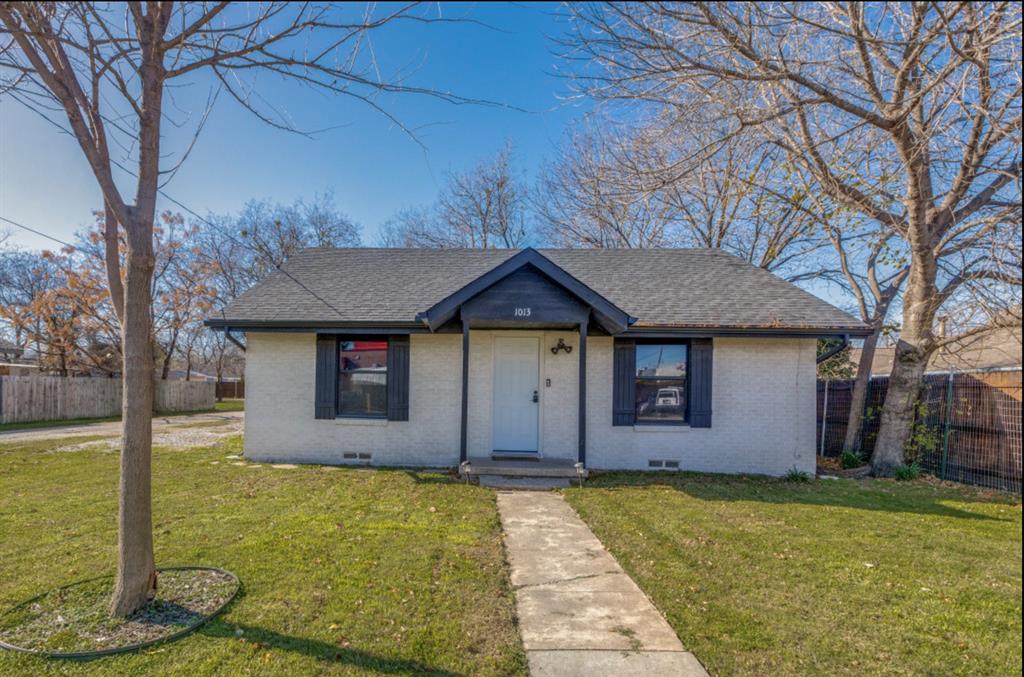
(496, 338)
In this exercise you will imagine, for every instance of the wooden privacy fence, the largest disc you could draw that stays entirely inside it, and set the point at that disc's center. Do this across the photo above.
(230, 390)
(967, 429)
(175, 396)
(53, 398)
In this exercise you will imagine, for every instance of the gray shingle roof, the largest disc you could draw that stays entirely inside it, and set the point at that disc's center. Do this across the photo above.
(699, 288)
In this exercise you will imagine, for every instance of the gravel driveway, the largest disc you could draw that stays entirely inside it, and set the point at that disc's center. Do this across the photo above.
(186, 430)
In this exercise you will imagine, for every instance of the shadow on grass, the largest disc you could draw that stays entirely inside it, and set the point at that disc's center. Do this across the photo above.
(869, 494)
(168, 614)
(322, 651)
(430, 477)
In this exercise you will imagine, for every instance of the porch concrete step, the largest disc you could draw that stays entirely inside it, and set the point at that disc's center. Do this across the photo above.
(526, 483)
(514, 456)
(534, 468)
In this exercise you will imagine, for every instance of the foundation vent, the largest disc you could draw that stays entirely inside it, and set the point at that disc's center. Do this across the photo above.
(353, 456)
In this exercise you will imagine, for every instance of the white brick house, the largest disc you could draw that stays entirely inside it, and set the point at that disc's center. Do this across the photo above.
(688, 359)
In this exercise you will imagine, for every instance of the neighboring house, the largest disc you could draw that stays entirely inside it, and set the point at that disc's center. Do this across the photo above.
(994, 349)
(13, 361)
(184, 375)
(631, 359)
(9, 352)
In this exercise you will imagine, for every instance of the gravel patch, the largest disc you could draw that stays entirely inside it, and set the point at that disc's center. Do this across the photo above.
(185, 437)
(76, 618)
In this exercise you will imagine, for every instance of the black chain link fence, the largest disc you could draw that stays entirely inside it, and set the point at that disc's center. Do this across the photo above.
(968, 425)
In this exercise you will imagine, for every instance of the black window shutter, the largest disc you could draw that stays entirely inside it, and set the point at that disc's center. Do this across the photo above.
(398, 378)
(700, 382)
(623, 383)
(326, 377)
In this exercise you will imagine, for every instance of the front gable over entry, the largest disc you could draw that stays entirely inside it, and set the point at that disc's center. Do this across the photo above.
(527, 290)
(525, 299)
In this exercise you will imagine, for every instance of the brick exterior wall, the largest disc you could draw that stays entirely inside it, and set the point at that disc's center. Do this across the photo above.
(763, 416)
(279, 423)
(763, 404)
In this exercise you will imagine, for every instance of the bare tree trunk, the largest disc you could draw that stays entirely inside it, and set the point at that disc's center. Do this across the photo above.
(136, 569)
(112, 260)
(913, 350)
(165, 368)
(860, 392)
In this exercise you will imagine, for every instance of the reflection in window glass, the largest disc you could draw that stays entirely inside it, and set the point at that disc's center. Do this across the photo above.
(363, 378)
(661, 383)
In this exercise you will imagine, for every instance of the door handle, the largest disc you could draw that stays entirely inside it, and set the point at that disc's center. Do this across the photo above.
(535, 397)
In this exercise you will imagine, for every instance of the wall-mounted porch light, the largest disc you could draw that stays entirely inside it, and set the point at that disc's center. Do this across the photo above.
(561, 345)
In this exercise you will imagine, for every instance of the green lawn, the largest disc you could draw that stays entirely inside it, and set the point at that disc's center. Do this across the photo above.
(761, 576)
(229, 405)
(389, 572)
(348, 570)
(32, 425)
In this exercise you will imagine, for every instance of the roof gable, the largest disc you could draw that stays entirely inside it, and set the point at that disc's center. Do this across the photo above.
(612, 318)
(525, 298)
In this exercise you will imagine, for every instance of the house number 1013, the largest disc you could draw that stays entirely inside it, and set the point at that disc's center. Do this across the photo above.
(522, 312)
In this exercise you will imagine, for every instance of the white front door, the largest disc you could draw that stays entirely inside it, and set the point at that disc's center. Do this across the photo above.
(516, 393)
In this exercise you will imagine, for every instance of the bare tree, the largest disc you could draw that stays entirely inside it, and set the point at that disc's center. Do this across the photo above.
(482, 208)
(593, 196)
(735, 194)
(908, 114)
(875, 283)
(665, 182)
(24, 276)
(410, 227)
(243, 248)
(102, 73)
(240, 249)
(272, 232)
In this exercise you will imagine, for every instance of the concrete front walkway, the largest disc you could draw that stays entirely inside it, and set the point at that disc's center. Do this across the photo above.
(579, 613)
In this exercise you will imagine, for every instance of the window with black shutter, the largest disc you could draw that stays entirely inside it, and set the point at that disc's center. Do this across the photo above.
(623, 403)
(362, 377)
(701, 369)
(662, 382)
(326, 386)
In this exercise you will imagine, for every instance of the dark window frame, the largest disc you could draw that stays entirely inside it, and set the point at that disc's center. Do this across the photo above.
(338, 371)
(688, 385)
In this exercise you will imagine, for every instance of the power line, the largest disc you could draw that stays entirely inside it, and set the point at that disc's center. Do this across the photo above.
(253, 249)
(195, 214)
(37, 232)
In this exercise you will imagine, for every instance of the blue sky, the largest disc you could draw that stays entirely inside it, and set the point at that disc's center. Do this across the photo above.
(373, 167)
